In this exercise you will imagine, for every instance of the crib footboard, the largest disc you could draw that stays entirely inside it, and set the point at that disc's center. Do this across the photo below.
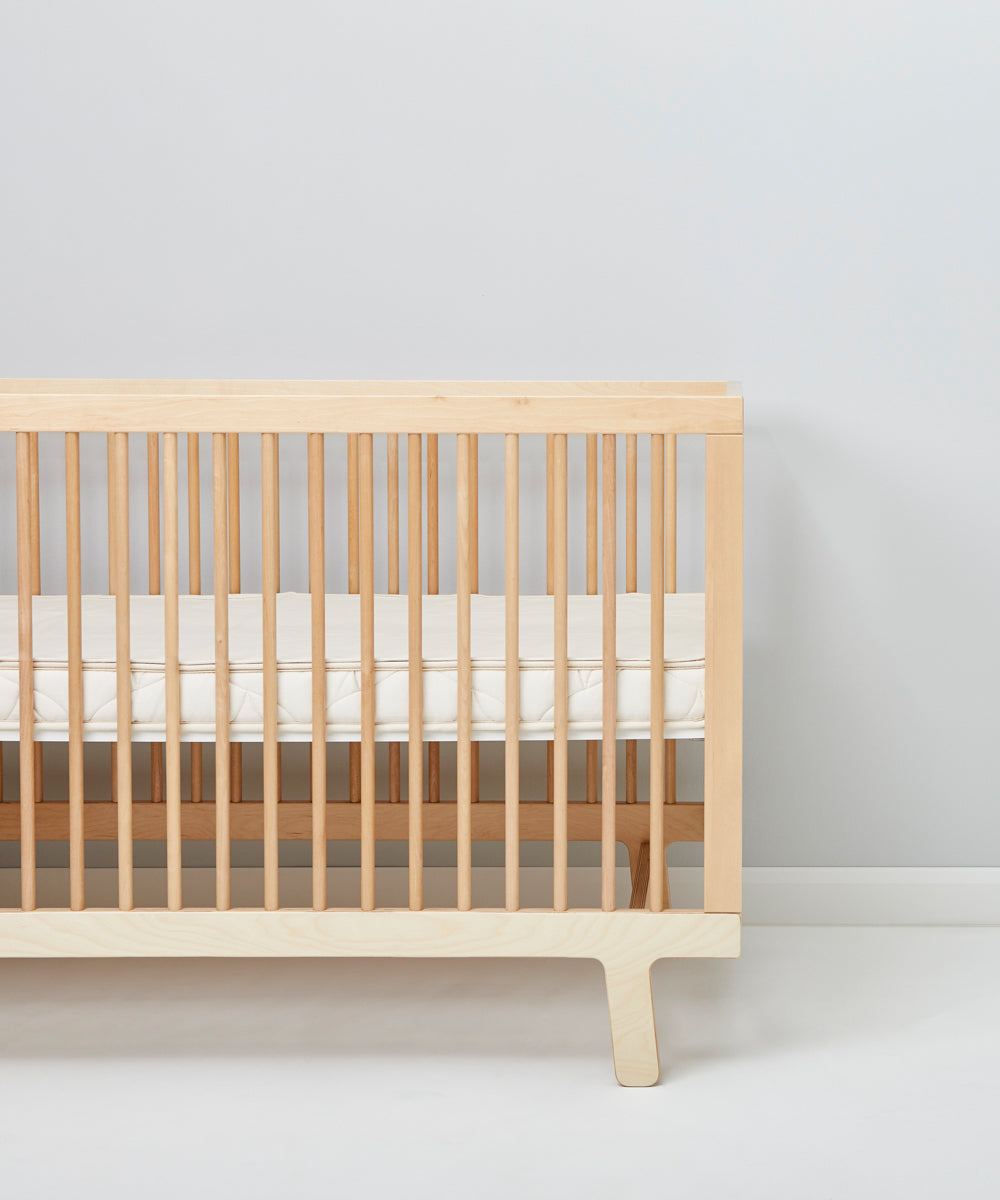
(373, 671)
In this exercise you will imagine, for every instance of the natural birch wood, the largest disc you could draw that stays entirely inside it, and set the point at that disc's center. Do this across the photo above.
(682, 822)
(233, 483)
(633, 1027)
(110, 440)
(463, 744)
(474, 571)
(560, 844)
(221, 562)
(153, 538)
(26, 671)
(670, 585)
(723, 672)
(392, 514)
(354, 750)
(317, 592)
(656, 741)
(74, 664)
(638, 859)
(512, 696)
(550, 756)
(269, 491)
(367, 583)
(433, 589)
(592, 746)
(194, 581)
(171, 625)
(414, 566)
(609, 687)
(631, 585)
(36, 579)
(123, 698)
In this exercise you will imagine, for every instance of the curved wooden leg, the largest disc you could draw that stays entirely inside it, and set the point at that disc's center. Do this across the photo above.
(638, 861)
(633, 1028)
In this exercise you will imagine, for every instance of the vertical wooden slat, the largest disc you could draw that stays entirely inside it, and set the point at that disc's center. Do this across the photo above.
(317, 592)
(171, 626)
(433, 587)
(153, 536)
(26, 670)
(560, 815)
(549, 518)
(723, 671)
(110, 440)
(392, 515)
(269, 491)
(233, 483)
(36, 579)
(463, 748)
(414, 587)
(354, 750)
(608, 676)
(592, 767)
(74, 660)
(194, 578)
(512, 680)
(670, 585)
(366, 529)
(656, 742)
(224, 758)
(474, 569)
(631, 585)
(123, 666)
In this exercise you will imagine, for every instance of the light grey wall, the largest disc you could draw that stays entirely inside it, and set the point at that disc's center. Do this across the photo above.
(800, 196)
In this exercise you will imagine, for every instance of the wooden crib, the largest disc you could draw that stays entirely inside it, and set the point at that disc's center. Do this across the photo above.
(204, 679)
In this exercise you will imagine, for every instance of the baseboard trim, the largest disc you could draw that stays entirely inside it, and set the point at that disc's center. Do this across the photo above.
(771, 895)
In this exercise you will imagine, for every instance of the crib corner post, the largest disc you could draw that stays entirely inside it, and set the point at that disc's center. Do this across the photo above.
(633, 1024)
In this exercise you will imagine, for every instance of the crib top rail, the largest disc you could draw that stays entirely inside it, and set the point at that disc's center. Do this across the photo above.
(376, 406)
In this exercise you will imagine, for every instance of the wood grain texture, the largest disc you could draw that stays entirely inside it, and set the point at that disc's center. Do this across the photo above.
(379, 407)
(235, 567)
(633, 1027)
(194, 578)
(723, 672)
(353, 584)
(656, 667)
(433, 589)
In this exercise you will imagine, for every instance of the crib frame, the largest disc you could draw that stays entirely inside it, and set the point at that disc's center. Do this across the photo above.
(626, 942)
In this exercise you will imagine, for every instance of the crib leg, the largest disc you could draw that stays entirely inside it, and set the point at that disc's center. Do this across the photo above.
(633, 1028)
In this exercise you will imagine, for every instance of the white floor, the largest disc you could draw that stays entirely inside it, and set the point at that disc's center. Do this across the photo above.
(827, 1062)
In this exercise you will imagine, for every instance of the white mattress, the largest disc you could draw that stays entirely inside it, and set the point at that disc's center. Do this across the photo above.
(683, 679)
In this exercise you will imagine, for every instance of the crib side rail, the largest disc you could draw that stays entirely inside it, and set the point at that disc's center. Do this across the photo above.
(656, 413)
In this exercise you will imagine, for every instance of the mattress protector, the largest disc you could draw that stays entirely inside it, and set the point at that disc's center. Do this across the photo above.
(683, 676)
